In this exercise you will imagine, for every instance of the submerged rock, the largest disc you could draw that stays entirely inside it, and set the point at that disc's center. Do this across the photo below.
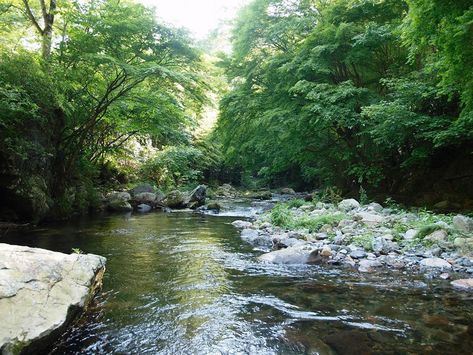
(40, 294)
(214, 206)
(144, 208)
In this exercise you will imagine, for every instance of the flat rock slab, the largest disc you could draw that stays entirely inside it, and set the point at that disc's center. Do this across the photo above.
(40, 293)
(463, 284)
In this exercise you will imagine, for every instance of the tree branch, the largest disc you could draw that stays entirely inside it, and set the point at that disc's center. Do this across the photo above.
(30, 15)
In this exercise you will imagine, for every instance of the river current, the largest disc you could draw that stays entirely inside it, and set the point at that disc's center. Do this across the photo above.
(185, 283)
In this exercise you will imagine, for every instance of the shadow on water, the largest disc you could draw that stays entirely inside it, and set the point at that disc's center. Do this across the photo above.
(184, 283)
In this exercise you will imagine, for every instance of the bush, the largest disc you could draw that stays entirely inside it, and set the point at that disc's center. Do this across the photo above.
(174, 167)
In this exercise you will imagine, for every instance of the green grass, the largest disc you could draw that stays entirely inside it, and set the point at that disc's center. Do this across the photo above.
(282, 216)
(296, 203)
(365, 241)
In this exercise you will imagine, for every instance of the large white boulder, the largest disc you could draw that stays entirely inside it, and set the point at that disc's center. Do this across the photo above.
(40, 293)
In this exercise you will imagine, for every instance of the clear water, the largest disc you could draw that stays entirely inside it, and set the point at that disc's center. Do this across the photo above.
(182, 283)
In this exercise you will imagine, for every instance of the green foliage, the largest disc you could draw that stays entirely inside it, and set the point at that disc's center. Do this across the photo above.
(282, 216)
(174, 167)
(329, 195)
(365, 241)
(295, 203)
(113, 73)
(328, 94)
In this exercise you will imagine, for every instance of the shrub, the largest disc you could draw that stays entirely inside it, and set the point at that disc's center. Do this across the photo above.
(174, 167)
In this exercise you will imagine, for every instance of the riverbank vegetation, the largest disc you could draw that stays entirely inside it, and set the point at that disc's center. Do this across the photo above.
(78, 81)
(373, 98)
(371, 95)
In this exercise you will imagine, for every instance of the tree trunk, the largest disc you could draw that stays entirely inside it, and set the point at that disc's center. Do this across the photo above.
(46, 32)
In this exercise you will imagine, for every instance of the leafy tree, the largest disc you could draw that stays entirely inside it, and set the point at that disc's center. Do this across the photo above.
(342, 92)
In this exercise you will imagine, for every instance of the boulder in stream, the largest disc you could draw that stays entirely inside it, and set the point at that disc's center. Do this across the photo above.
(303, 254)
(197, 197)
(119, 202)
(175, 199)
(41, 292)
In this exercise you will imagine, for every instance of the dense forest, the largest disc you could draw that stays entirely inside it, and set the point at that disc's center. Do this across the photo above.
(368, 96)
(362, 94)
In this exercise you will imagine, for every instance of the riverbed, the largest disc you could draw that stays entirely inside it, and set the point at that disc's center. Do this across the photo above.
(185, 283)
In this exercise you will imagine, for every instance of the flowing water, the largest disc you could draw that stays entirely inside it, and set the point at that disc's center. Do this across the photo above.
(183, 283)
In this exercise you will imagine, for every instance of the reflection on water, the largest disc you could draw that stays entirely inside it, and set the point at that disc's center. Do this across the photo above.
(183, 283)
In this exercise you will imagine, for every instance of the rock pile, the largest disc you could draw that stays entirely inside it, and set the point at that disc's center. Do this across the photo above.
(366, 237)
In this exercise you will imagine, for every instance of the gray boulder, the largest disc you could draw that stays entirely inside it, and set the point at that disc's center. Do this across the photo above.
(122, 196)
(41, 292)
(410, 234)
(370, 218)
(142, 188)
(118, 202)
(435, 263)
(197, 197)
(242, 224)
(463, 224)
(253, 237)
(437, 236)
(381, 245)
(301, 254)
(148, 198)
(358, 254)
(348, 204)
(175, 199)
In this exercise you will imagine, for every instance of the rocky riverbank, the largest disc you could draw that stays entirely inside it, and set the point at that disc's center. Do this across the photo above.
(367, 238)
(40, 294)
(145, 198)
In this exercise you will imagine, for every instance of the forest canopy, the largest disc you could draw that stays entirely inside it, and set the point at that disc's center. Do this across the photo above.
(371, 94)
(77, 80)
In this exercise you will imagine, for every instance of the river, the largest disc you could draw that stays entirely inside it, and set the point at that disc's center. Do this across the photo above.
(184, 283)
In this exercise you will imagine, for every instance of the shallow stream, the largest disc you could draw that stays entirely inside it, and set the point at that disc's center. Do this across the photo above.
(184, 283)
